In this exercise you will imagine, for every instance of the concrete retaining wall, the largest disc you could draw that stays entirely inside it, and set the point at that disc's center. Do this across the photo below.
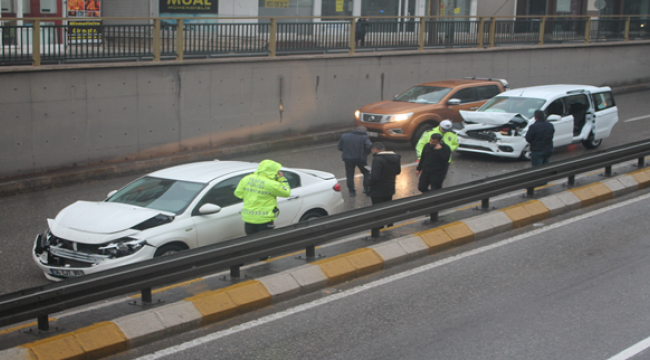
(61, 117)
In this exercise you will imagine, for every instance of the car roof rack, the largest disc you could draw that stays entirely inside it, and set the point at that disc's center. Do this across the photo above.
(503, 82)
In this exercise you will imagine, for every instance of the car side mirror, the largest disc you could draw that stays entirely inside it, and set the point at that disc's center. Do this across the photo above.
(207, 209)
(453, 102)
(111, 193)
(554, 118)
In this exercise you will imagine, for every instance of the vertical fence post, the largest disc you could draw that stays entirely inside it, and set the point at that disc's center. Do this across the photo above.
(156, 42)
(627, 28)
(179, 40)
(493, 26)
(43, 323)
(541, 31)
(36, 43)
(481, 32)
(273, 38)
(353, 35)
(423, 23)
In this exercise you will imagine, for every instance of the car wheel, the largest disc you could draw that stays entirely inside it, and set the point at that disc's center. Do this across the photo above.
(525, 154)
(419, 131)
(591, 143)
(312, 214)
(168, 250)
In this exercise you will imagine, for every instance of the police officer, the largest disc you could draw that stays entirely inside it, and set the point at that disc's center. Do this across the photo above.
(448, 137)
(259, 191)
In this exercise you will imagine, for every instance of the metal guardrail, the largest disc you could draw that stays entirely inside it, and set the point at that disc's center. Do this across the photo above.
(39, 302)
(39, 41)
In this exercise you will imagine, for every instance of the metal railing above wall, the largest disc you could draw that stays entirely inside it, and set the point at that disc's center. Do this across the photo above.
(39, 40)
(41, 301)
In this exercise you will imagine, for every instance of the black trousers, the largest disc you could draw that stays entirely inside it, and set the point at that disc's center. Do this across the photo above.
(349, 173)
(432, 180)
(255, 228)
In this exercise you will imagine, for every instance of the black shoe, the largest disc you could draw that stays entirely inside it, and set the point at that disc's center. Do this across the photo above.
(353, 193)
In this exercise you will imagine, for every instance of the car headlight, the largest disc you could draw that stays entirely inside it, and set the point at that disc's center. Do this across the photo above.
(357, 114)
(400, 117)
(122, 247)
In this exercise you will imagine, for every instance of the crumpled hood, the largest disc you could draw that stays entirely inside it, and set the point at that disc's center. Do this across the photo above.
(390, 107)
(268, 169)
(102, 217)
(491, 118)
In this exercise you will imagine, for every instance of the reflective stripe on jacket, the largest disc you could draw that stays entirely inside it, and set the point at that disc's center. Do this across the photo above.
(259, 191)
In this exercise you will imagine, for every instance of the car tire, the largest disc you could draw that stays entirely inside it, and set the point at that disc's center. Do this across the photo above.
(525, 154)
(168, 250)
(591, 143)
(420, 130)
(311, 214)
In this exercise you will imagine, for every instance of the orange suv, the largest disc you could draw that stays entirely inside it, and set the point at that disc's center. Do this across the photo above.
(424, 106)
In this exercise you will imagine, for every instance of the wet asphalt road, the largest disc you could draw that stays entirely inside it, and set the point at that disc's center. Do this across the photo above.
(23, 216)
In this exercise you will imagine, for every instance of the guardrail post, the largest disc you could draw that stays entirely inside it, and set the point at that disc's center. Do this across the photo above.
(374, 233)
(572, 180)
(641, 162)
(485, 204)
(481, 32)
(433, 217)
(36, 43)
(588, 30)
(147, 298)
(43, 323)
(179, 40)
(156, 42)
(541, 31)
(310, 252)
(423, 23)
(273, 38)
(530, 192)
(627, 29)
(492, 35)
(234, 272)
(353, 35)
(608, 170)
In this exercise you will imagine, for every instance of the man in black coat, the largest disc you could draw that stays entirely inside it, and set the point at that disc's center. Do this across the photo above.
(434, 164)
(540, 137)
(386, 165)
(355, 146)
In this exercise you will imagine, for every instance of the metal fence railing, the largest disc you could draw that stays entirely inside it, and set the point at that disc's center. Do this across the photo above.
(35, 41)
(39, 302)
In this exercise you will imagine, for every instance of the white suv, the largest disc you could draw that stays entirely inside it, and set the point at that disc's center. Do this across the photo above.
(580, 113)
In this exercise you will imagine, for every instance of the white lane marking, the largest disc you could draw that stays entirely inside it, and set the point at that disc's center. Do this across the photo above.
(637, 118)
(633, 350)
(338, 296)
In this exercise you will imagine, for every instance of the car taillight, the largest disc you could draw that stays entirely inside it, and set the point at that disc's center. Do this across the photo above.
(337, 187)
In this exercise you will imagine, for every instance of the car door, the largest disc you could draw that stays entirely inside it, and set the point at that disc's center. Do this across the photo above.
(291, 207)
(605, 113)
(468, 101)
(564, 125)
(225, 224)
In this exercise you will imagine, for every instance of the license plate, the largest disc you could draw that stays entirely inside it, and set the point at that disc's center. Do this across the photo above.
(373, 134)
(67, 272)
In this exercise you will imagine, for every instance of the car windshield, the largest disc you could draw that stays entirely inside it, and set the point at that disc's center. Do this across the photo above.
(160, 194)
(423, 94)
(513, 105)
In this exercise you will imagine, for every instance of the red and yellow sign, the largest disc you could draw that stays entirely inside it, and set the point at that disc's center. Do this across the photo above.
(84, 8)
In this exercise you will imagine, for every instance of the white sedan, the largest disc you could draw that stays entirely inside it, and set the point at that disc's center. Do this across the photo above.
(580, 114)
(178, 208)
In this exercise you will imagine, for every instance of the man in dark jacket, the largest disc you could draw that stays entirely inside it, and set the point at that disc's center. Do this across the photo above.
(386, 165)
(355, 146)
(434, 164)
(540, 137)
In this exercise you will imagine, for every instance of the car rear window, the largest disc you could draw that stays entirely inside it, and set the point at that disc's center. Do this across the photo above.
(487, 92)
(423, 94)
(603, 101)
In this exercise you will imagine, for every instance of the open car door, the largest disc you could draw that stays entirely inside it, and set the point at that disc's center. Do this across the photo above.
(605, 113)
